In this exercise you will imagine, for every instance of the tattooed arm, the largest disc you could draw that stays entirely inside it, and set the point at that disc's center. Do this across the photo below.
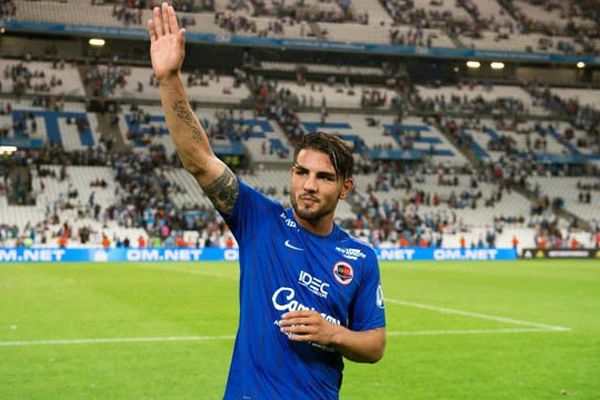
(167, 50)
(216, 179)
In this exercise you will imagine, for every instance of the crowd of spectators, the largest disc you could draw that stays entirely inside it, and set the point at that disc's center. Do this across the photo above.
(138, 134)
(465, 103)
(413, 37)
(24, 78)
(582, 117)
(278, 103)
(243, 24)
(583, 34)
(390, 223)
(584, 191)
(567, 10)
(130, 11)
(564, 36)
(410, 210)
(404, 12)
(102, 80)
(142, 198)
(8, 8)
(511, 21)
(127, 15)
(303, 12)
(552, 232)
(5, 109)
(17, 183)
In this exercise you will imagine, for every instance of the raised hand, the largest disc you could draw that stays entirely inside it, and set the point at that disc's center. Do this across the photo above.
(167, 42)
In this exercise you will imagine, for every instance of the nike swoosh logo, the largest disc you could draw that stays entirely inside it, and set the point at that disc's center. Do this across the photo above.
(291, 246)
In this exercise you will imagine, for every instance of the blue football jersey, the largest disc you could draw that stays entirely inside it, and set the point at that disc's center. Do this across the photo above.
(284, 267)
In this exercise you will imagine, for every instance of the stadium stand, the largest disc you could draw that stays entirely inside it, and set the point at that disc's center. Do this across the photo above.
(530, 42)
(554, 14)
(579, 195)
(563, 28)
(584, 97)
(331, 70)
(70, 125)
(139, 83)
(32, 77)
(338, 95)
(473, 95)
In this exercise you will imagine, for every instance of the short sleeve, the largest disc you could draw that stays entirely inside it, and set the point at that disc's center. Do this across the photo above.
(368, 310)
(248, 212)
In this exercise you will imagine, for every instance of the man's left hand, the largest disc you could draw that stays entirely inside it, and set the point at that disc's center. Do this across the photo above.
(308, 326)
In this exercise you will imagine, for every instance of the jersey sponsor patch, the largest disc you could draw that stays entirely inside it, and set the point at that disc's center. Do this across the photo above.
(350, 254)
(343, 272)
(315, 285)
(284, 300)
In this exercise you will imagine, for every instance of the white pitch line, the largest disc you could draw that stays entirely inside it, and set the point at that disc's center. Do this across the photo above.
(66, 342)
(115, 340)
(468, 332)
(445, 310)
(416, 305)
(187, 271)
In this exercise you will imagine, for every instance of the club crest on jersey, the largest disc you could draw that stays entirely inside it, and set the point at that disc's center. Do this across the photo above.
(343, 272)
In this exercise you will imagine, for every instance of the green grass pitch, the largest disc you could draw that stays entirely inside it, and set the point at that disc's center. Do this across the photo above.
(528, 329)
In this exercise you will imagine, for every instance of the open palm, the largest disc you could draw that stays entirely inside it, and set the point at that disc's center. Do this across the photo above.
(167, 42)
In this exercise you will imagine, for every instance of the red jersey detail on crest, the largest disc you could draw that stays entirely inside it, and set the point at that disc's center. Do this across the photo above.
(343, 272)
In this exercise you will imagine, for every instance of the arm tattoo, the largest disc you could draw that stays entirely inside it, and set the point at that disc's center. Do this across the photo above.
(187, 117)
(223, 192)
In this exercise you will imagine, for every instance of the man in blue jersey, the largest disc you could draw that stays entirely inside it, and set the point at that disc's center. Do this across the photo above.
(310, 294)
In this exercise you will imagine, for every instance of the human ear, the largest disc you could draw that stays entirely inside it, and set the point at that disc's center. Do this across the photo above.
(347, 188)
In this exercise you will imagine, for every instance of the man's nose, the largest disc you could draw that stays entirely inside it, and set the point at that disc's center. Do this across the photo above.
(310, 184)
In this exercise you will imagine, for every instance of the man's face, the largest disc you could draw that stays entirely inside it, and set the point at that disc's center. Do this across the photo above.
(315, 186)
